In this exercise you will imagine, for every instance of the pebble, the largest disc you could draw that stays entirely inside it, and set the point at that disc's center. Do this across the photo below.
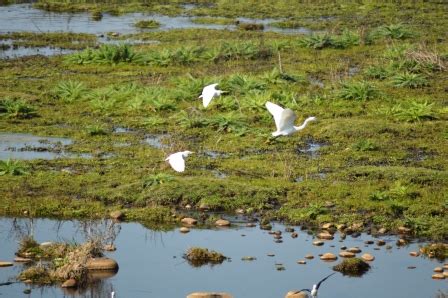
(438, 276)
(327, 226)
(382, 231)
(356, 234)
(376, 248)
(294, 294)
(318, 243)
(404, 230)
(325, 236)
(328, 257)
(189, 221)
(27, 291)
(294, 235)
(414, 253)
(343, 247)
(5, 264)
(277, 232)
(367, 257)
(101, 264)
(110, 247)
(341, 227)
(69, 283)
(309, 257)
(184, 230)
(248, 258)
(22, 260)
(380, 242)
(401, 242)
(301, 262)
(278, 241)
(277, 236)
(412, 267)
(438, 269)
(239, 211)
(388, 247)
(368, 242)
(250, 225)
(222, 223)
(116, 214)
(346, 254)
(270, 255)
(354, 250)
(209, 295)
(289, 230)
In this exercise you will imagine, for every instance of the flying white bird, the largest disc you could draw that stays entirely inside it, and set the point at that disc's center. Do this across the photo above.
(177, 160)
(208, 93)
(284, 120)
(313, 292)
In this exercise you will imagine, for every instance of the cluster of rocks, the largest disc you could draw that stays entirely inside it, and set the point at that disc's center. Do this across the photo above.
(441, 272)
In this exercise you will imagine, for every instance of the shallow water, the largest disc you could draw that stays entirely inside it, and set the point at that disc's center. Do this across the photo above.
(27, 147)
(151, 263)
(23, 17)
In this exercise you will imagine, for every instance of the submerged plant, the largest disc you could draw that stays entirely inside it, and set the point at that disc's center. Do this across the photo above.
(352, 267)
(12, 167)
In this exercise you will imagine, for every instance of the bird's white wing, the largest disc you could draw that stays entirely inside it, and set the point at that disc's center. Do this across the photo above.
(276, 111)
(208, 93)
(207, 97)
(286, 120)
(177, 161)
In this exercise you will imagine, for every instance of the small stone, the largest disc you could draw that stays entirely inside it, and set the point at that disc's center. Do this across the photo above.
(189, 221)
(114, 34)
(280, 268)
(27, 291)
(327, 226)
(278, 232)
(356, 234)
(412, 267)
(445, 266)
(204, 207)
(239, 211)
(296, 294)
(380, 242)
(25, 212)
(354, 250)
(343, 236)
(184, 230)
(343, 247)
(309, 257)
(404, 230)
(382, 231)
(438, 269)
(401, 242)
(278, 241)
(28, 281)
(101, 264)
(209, 295)
(376, 248)
(22, 260)
(294, 235)
(110, 247)
(328, 257)
(357, 226)
(341, 227)
(250, 225)
(222, 223)
(5, 264)
(368, 242)
(325, 236)
(69, 283)
(445, 273)
(188, 206)
(248, 258)
(438, 276)
(266, 227)
(388, 247)
(346, 254)
(289, 230)
(270, 255)
(367, 257)
(318, 243)
(117, 214)
(414, 253)
(46, 244)
(301, 262)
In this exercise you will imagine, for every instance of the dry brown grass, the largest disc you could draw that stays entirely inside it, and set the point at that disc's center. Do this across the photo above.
(427, 58)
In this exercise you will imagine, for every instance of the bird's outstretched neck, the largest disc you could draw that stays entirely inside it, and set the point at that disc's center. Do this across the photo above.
(297, 128)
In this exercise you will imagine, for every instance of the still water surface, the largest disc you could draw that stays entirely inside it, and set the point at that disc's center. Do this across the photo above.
(151, 263)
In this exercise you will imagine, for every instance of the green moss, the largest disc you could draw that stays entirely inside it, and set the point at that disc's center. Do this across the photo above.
(217, 21)
(198, 256)
(147, 24)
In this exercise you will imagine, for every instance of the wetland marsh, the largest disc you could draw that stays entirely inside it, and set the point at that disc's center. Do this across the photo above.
(85, 132)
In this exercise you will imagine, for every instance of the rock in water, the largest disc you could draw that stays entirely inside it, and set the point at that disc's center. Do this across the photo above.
(69, 283)
(222, 223)
(189, 221)
(209, 295)
(101, 264)
(294, 294)
(328, 257)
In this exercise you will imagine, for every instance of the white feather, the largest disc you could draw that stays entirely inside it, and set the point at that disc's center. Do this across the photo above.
(284, 120)
(208, 93)
(177, 160)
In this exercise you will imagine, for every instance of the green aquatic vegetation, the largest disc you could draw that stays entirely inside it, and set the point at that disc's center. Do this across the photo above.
(409, 80)
(320, 41)
(70, 91)
(377, 72)
(230, 122)
(361, 90)
(189, 87)
(254, 101)
(189, 120)
(106, 54)
(243, 50)
(198, 256)
(436, 250)
(147, 24)
(251, 26)
(352, 267)
(413, 111)
(156, 179)
(395, 31)
(97, 15)
(345, 40)
(316, 41)
(239, 84)
(154, 122)
(12, 167)
(16, 109)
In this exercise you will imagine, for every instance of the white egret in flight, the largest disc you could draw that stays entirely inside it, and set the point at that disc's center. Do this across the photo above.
(313, 291)
(208, 93)
(177, 160)
(284, 120)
